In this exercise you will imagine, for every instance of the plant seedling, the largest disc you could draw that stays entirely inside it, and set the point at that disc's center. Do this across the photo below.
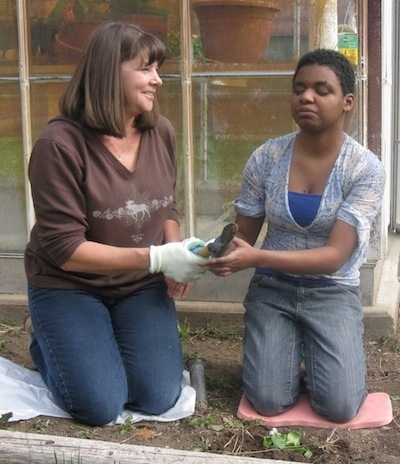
(289, 440)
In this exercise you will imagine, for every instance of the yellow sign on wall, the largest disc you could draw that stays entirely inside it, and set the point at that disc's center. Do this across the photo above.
(348, 45)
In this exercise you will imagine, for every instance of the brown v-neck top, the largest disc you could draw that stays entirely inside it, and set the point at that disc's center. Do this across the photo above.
(82, 192)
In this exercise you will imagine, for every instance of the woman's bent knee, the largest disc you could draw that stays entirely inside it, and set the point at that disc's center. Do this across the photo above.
(96, 414)
(154, 403)
(338, 412)
(268, 404)
(339, 417)
(95, 407)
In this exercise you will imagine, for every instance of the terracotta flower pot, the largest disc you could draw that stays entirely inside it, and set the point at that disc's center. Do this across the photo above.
(73, 39)
(153, 23)
(235, 31)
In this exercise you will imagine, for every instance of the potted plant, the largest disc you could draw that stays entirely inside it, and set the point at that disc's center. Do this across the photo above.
(235, 31)
(8, 31)
(70, 23)
(140, 12)
(174, 46)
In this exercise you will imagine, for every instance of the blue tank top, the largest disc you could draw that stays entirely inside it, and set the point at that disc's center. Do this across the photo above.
(304, 207)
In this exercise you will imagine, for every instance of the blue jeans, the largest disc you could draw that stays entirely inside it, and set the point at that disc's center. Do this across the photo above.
(288, 323)
(100, 356)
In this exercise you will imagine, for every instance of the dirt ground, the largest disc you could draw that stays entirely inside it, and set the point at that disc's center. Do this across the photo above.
(217, 429)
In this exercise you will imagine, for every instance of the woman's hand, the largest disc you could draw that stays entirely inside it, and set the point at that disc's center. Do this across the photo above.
(241, 256)
(322, 260)
(177, 289)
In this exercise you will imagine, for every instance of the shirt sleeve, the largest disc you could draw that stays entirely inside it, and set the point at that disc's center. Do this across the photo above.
(57, 180)
(251, 201)
(167, 135)
(363, 202)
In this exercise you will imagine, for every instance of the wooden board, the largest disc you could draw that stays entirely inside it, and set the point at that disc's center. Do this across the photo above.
(21, 448)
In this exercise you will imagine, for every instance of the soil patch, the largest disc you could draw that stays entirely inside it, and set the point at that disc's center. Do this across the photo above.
(217, 429)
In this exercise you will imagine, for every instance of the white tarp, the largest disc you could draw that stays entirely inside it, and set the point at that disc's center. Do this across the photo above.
(25, 395)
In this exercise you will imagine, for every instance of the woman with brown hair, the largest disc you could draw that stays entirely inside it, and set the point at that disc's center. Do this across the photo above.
(105, 258)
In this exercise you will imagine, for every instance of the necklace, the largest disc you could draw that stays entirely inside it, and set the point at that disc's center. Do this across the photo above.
(118, 154)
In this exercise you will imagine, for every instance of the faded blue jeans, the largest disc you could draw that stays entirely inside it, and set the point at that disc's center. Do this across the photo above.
(100, 356)
(288, 323)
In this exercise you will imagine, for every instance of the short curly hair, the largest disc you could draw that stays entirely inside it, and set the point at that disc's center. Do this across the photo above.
(334, 60)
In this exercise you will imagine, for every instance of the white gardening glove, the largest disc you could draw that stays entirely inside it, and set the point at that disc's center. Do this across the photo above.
(176, 261)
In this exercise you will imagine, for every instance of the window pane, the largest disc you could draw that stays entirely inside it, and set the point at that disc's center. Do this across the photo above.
(169, 97)
(264, 35)
(44, 104)
(233, 117)
(8, 38)
(60, 30)
(12, 188)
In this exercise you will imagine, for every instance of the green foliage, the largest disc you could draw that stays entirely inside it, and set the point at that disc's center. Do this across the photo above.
(42, 425)
(174, 44)
(120, 8)
(198, 51)
(127, 427)
(7, 328)
(209, 420)
(216, 422)
(11, 160)
(80, 10)
(94, 9)
(184, 331)
(225, 159)
(222, 333)
(206, 445)
(391, 343)
(223, 382)
(85, 434)
(291, 440)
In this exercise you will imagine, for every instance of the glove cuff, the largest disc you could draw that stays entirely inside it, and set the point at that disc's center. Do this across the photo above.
(155, 259)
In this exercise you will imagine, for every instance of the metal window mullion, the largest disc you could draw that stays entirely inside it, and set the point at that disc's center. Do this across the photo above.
(363, 72)
(25, 105)
(187, 118)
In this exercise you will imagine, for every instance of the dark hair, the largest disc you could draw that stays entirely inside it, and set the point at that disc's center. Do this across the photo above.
(94, 95)
(334, 60)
